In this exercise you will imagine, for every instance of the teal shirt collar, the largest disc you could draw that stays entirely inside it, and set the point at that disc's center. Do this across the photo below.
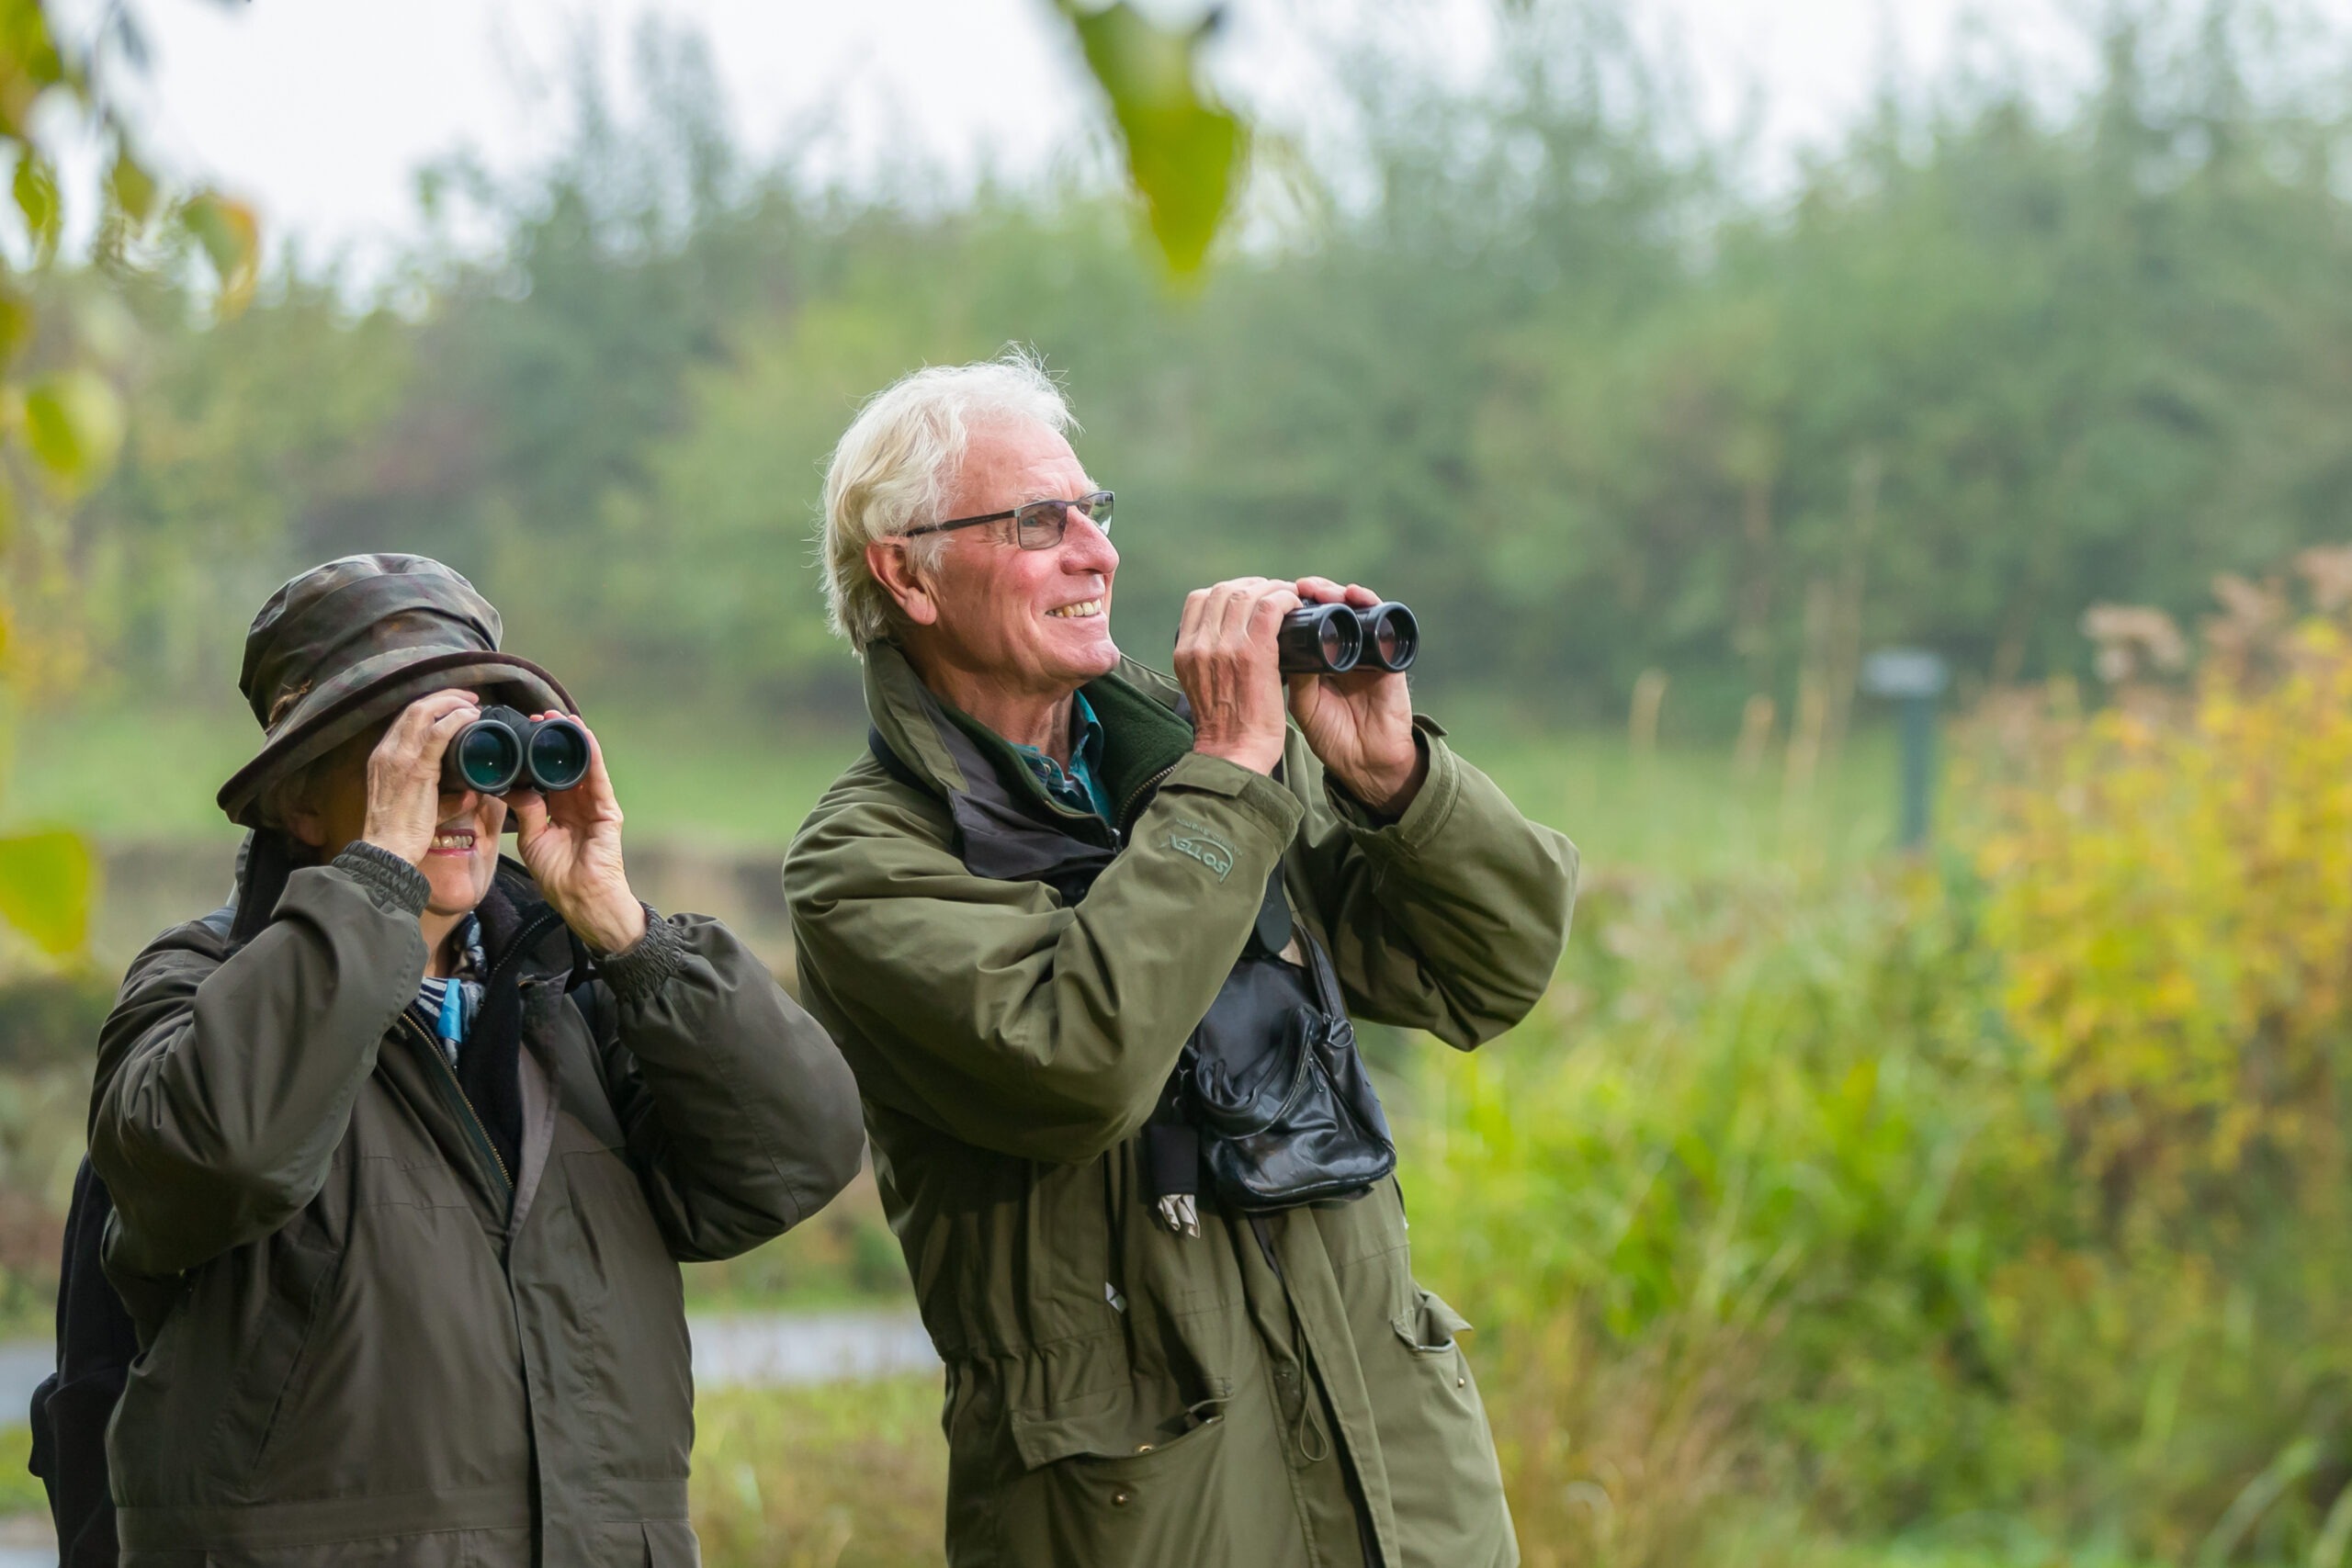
(1080, 786)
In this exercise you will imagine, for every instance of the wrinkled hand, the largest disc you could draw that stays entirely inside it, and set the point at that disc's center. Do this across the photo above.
(1360, 724)
(1231, 670)
(572, 842)
(404, 773)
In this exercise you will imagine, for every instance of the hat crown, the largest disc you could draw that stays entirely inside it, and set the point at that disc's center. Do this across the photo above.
(334, 616)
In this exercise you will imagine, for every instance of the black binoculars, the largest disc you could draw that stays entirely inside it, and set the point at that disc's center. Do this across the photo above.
(1332, 639)
(503, 750)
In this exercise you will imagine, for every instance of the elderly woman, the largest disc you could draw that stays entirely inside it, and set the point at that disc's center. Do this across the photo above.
(1089, 939)
(405, 1145)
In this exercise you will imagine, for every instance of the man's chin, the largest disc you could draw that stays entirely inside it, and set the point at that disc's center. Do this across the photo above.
(1093, 663)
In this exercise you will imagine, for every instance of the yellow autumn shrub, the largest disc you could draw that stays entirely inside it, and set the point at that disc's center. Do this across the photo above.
(2172, 889)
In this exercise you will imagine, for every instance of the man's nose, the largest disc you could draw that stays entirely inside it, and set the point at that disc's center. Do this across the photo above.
(1086, 547)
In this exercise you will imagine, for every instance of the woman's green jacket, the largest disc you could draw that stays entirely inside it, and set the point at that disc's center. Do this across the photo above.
(363, 1337)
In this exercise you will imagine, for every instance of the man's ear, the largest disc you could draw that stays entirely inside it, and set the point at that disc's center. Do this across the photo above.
(892, 564)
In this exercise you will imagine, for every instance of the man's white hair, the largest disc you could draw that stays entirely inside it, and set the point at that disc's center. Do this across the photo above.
(896, 464)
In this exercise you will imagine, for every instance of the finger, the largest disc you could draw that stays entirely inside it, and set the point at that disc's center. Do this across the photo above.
(1363, 598)
(437, 737)
(1267, 610)
(531, 813)
(1322, 590)
(595, 787)
(1195, 616)
(416, 720)
(1242, 599)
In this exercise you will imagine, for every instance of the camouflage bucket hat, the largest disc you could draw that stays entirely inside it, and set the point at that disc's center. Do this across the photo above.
(347, 645)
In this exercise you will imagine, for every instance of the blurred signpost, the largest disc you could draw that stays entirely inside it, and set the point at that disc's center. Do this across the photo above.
(1914, 677)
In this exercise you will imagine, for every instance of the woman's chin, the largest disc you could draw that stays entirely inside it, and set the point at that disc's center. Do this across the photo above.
(457, 883)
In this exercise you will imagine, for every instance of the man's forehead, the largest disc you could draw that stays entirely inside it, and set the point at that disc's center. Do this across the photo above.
(1032, 460)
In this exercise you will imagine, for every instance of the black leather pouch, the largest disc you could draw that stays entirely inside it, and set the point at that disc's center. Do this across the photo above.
(1273, 1084)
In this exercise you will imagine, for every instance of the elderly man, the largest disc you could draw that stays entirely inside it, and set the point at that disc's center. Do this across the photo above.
(405, 1144)
(1088, 937)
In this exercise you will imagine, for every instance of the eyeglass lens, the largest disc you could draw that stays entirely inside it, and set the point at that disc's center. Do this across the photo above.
(1041, 524)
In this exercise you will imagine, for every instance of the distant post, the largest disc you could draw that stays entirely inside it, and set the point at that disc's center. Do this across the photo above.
(1914, 677)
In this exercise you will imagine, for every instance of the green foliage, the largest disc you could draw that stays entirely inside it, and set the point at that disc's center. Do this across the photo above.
(1954, 1201)
(1184, 150)
(848, 1476)
(61, 416)
(46, 884)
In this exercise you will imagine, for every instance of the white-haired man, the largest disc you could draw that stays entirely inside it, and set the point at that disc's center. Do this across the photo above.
(1088, 937)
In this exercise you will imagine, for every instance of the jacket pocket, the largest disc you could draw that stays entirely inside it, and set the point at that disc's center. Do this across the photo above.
(1108, 1480)
(655, 1543)
(1443, 1475)
(1428, 1327)
(299, 1271)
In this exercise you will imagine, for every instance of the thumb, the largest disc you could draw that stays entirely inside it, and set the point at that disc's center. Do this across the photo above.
(530, 810)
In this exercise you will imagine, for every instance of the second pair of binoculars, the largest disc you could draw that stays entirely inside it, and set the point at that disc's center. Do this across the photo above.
(1332, 639)
(504, 750)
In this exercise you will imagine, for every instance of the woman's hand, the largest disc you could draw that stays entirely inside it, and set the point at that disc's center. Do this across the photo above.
(1360, 724)
(572, 842)
(404, 773)
(1231, 670)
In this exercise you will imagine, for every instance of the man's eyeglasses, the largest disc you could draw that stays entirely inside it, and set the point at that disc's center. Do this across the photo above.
(1039, 525)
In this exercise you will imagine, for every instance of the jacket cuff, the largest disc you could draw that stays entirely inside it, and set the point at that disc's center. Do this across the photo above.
(1431, 808)
(645, 965)
(398, 888)
(1264, 797)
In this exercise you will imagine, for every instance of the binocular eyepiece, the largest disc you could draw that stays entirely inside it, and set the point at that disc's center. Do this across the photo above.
(503, 750)
(1332, 639)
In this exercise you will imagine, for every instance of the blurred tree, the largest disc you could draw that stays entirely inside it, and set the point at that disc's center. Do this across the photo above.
(1537, 358)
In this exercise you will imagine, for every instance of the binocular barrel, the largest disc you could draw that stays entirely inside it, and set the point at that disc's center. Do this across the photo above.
(1332, 639)
(504, 750)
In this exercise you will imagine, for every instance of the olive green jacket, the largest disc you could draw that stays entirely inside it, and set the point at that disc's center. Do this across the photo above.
(1118, 1394)
(363, 1338)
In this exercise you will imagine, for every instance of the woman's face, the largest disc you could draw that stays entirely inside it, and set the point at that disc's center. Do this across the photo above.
(465, 846)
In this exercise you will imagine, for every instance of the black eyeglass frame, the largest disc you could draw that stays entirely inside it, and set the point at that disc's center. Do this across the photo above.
(1095, 504)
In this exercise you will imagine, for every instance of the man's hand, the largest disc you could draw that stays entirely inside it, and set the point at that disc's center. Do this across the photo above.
(1231, 670)
(572, 842)
(1360, 724)
(404, 773)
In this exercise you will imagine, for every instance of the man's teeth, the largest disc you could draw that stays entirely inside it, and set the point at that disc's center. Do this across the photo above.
(453, 840)
(1084, 607)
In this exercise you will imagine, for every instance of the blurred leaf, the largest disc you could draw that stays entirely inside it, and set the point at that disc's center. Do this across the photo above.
(232, 239)
(132, 187)
(46, 881)
(73, 422)
(30, 63)
(15, 322)
(36, 190)
(1182, 147)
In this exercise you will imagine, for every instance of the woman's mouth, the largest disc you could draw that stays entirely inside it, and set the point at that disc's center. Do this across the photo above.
(454, 841)
(1079, 611)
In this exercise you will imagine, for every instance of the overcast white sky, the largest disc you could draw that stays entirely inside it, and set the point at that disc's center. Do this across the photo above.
(321, 111)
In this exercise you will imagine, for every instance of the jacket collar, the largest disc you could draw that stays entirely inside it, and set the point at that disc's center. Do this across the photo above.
(1146, 728)
(515, 911)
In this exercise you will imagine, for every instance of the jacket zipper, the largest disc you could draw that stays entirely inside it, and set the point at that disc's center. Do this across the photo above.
(1123, 826)
(467, 1117)
(454, 1093)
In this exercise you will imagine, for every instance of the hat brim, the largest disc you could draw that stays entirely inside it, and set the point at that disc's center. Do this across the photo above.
(371, 692)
